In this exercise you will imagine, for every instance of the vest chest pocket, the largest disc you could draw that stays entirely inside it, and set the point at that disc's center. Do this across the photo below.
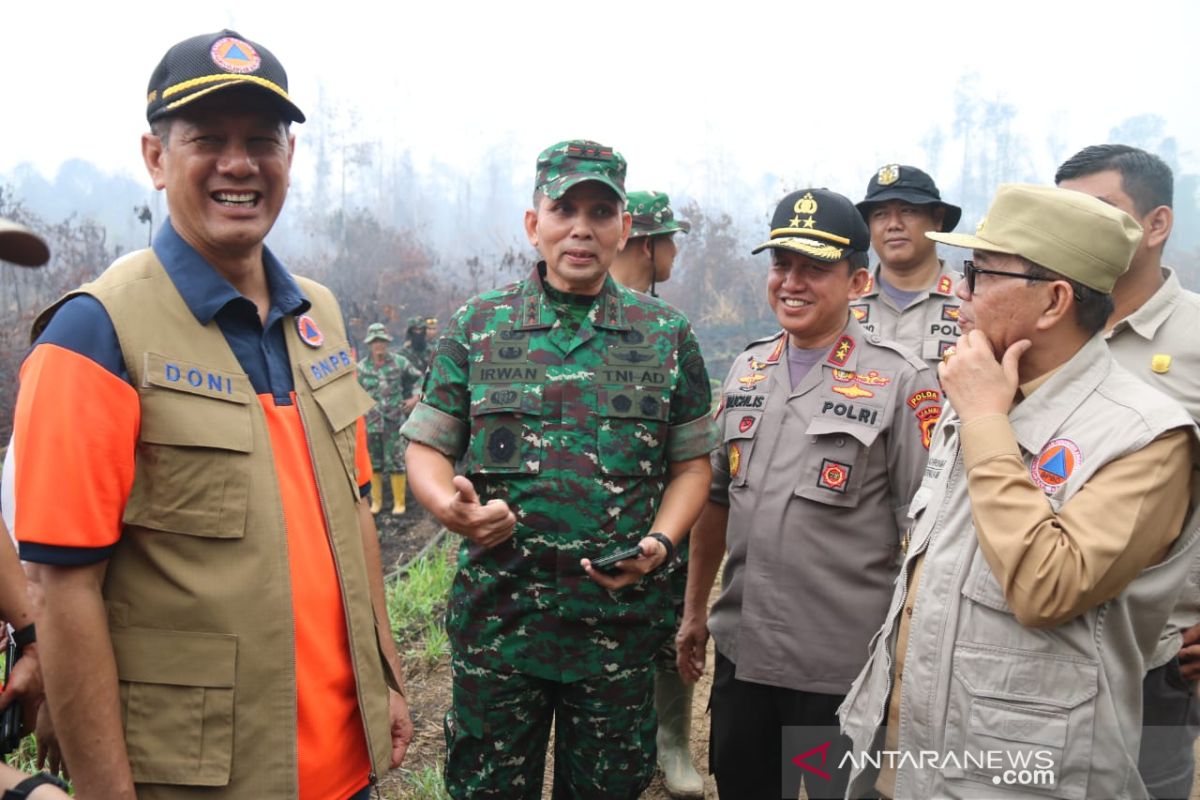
(177, 693)
(192, 472)
(342, 402)
(1037, 709)
(631, 435)
(506, 430)
(740, 434)
(833, 466)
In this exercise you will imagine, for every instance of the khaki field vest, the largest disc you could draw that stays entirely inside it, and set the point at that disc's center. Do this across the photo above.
(198, 589)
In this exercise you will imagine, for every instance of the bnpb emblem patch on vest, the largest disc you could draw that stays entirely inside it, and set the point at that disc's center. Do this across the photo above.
(1055, 464)
(310, 334)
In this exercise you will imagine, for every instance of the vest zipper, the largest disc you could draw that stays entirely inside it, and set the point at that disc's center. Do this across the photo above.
(362, 708)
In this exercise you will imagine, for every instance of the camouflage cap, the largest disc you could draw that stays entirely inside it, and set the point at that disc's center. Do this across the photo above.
(652, 215)
(416, 322)
(377, 330)
(561, 166)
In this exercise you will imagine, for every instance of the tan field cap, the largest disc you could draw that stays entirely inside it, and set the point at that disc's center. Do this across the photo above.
(21, 246)
(1067, 232)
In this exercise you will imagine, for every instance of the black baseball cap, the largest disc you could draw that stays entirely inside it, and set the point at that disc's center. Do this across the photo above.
(911, 185)
(203, 64)
(819, 224)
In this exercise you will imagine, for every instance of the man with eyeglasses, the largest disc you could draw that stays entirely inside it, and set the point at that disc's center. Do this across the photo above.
(1152, 333)
(910, 296)
(1048, 539)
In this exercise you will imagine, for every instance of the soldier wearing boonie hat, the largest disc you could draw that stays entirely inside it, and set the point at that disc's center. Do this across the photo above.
(648, 256)
(910, 295)
(578, 413)
(417, 344)
(217, 545)
(1056, 523)
(393, 383)
(825, 429)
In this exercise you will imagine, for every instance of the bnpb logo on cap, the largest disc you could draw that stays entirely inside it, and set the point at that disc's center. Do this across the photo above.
(235, 55)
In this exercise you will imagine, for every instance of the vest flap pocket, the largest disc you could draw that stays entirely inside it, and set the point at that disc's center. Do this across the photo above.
(343, 401)
(741, 424)
(177, 692)
(189, 420)
(192, 378)
(1024, 676)
(505, 429)
(836, 425)
(1018, 724)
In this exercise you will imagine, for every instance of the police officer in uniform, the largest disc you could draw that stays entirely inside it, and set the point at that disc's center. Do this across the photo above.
(1152, 333)
(392, 383)
(645, 261)
(579, 412)
(826, 429)
(910, 296)
(1057, 519)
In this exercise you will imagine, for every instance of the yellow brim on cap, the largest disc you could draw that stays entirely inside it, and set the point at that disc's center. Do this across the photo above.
(970, 242)
(822, 251)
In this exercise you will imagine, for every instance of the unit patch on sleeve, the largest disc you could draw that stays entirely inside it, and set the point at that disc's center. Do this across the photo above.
(927, 419)
(735, 459)
(923, 396)
(834, 476)
(1055, 464)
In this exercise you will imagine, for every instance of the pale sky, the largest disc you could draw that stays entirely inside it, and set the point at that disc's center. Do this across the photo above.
(801, 90)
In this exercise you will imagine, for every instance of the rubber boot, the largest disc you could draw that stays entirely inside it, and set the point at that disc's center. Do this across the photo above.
(399, 484)
(673, 703)
(376, 493)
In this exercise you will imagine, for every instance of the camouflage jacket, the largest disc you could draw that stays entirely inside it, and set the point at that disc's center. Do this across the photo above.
(575, 433)
(389, 385)
(418, 358)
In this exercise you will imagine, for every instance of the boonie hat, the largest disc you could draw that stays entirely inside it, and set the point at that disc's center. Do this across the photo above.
(21, 246)
(911, 185)
(652, 215)
(377, 330)
(1067, 232)
(819, 224)
(203, 64)
(416, 322)
(561, 166)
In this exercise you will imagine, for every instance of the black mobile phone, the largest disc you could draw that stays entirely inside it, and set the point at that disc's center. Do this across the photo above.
(608, 564)
(10, 718)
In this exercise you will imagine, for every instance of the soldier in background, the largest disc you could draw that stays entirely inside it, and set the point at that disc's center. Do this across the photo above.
(645, 261)
(417, 338)
(393, 384)
(910, 296)
(1152, 333)
(579, 413)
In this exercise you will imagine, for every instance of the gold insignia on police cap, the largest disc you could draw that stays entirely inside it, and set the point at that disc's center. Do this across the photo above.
(889, 174)
(1160, 363)
(806, 204)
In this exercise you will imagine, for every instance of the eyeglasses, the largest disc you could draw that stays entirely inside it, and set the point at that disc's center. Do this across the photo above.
(970, 271)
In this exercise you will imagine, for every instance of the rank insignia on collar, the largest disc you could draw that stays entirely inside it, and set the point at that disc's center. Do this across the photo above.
(1055, 464)
(833, 476)
(310, 334)
(945, 284)
(889, 174)
(778, 351)
(870, 285)
(841, 351)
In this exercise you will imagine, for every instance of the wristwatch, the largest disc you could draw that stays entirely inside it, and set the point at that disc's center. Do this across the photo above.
(24, 637)
(25, 788)
(672, 559)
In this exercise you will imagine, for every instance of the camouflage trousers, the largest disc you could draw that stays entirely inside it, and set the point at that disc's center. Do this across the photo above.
(499, 724)
(387, 449)
(664, 659)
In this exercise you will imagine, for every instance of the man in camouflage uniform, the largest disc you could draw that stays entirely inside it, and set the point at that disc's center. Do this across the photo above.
(417, 336)
(648, 256)
(645, 261)
(392, 383)
(579, 413)
(909, 298)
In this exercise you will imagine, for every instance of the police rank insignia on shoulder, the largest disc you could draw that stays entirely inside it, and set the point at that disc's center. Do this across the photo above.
(1055, 464)
(841, 351)
(310, 334)
(945, 284)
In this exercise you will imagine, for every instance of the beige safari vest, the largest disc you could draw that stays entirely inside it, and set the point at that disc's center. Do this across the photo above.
(975, 679)
(198, 589)
(926, 327)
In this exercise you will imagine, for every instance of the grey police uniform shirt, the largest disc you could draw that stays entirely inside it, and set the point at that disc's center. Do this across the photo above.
(817, 481)
(926, 326)
(1158, 343)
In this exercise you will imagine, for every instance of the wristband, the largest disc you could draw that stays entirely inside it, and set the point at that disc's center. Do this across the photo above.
(25, 637)
(25, 788)
(669, 561)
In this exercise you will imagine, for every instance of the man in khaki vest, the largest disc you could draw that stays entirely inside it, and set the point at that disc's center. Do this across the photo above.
(1048, 541)
(214, 619)
(1152, 333)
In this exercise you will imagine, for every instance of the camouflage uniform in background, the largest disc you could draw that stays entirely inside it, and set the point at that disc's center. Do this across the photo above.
(389, 385)
(575, 427)
(417, 349)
